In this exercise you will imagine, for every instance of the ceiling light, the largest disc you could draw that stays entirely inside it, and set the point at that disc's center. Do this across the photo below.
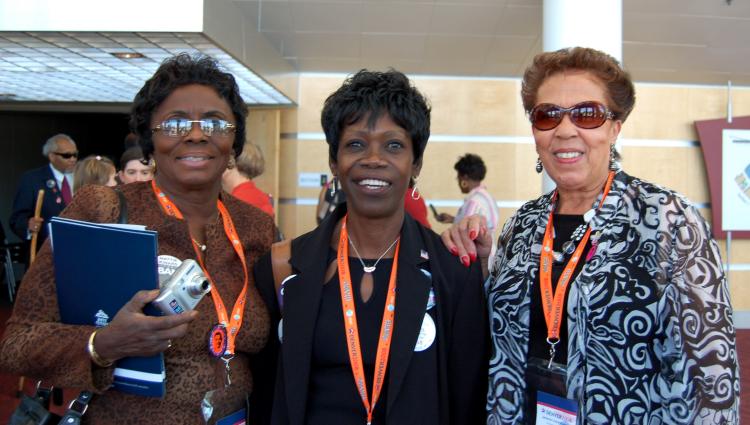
(95, 67)
(127, 55)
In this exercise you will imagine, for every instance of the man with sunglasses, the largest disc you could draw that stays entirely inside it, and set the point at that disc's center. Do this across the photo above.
(56, 178)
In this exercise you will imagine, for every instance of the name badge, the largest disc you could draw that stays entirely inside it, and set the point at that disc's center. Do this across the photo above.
(554, 410)
(426, 334)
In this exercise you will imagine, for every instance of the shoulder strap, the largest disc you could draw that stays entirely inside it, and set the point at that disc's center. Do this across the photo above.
(281, 253)
(123, 218)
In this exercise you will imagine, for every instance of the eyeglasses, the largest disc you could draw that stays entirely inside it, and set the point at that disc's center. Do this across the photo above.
(66, 155)
(587, 115)
(180, 127)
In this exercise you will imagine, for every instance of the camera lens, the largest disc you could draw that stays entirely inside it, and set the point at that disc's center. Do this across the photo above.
(198, 287)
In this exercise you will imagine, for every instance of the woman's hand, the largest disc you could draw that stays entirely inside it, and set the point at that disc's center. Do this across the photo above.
(132, 333)
(469, 239)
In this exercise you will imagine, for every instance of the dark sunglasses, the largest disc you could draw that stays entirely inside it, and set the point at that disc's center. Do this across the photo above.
(587, 115)
(66, 155)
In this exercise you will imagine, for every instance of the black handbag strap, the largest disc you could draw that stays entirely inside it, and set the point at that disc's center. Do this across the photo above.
(123, 218)
(76, 409)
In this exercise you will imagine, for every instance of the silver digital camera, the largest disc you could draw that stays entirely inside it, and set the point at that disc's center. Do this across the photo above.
(183, 290)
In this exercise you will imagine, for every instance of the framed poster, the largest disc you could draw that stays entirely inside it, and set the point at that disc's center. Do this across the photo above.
(735, 180)
(726, 153)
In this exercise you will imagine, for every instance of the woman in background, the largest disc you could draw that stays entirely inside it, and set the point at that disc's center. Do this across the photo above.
(607, 296)
(94, 169)
(239, 175)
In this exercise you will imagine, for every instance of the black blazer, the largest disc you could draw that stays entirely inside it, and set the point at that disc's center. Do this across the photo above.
(444, 384)
(23, 203)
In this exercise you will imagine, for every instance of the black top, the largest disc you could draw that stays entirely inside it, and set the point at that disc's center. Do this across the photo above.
(444, 384)
(564, 226)
(333, 396)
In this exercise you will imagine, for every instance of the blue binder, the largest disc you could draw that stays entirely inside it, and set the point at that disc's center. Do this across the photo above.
(98, 269)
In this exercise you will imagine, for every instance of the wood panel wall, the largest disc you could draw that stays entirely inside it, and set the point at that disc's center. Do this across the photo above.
(485, 116)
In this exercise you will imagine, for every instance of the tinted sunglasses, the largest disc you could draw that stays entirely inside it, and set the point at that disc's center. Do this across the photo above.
(587, 115)
(66, 155)
(180, 127)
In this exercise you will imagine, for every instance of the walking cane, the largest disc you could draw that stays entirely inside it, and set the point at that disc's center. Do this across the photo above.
(37, 214)
(32, 257)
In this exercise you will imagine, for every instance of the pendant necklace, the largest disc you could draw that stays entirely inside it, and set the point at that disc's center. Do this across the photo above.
(370, 269)
(570, 246)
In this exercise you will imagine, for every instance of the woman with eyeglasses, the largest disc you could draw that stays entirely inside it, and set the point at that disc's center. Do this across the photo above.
(190, 119)
(379, 325)
(607, 296)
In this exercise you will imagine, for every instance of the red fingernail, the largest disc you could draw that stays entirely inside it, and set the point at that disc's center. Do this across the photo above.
(453, 250)
(473, 256)
(465, 260)
(472, 234)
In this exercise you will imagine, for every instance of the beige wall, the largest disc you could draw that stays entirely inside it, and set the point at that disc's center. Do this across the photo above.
(485, 116)
(264, 130)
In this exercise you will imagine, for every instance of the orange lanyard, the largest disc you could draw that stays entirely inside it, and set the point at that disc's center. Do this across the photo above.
(352, 331)
(235, 322)
(552, 303)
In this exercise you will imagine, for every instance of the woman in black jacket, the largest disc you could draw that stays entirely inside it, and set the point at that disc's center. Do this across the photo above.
(379, 325)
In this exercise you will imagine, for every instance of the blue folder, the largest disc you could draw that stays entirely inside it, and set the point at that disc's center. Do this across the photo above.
(98, 269)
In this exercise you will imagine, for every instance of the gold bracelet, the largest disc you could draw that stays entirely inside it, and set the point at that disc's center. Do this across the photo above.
(96, 358)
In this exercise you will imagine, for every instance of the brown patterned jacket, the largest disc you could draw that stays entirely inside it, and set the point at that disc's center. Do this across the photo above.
(37, 345)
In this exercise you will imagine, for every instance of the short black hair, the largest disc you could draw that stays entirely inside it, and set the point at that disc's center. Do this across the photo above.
(178, 71)
(132, 154)
(371, 94)
(471, 166)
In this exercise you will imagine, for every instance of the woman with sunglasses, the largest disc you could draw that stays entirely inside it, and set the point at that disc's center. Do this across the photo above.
(379, 325)
(607, 296)
(190, 119)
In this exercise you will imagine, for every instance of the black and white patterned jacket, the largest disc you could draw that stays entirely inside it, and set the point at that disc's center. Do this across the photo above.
(651, 334)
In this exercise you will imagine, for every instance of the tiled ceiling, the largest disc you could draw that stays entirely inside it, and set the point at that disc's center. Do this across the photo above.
(684, 41)
(80, 66)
